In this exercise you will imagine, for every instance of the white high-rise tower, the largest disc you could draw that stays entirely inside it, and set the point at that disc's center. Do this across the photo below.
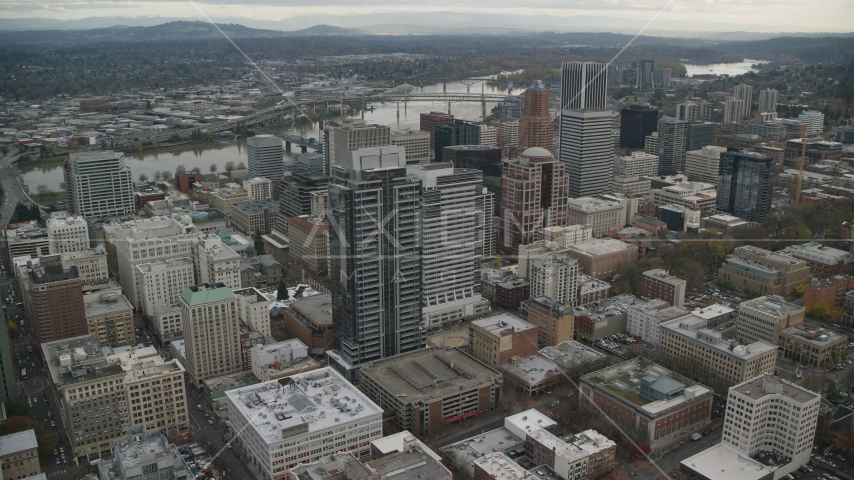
(266, 157)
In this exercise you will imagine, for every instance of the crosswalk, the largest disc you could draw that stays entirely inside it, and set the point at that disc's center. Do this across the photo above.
(53, 474)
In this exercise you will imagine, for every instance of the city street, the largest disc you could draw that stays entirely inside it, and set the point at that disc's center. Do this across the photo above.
(211, 438)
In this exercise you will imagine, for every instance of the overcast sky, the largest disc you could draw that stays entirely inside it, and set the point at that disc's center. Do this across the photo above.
(750, 15)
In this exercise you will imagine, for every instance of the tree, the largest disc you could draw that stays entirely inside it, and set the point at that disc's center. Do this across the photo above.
(180, 169)
(241, 166)
(282, 294)
(831, 391)
(43, 189)
(800, 288)
(229, 166)
(138, 146)
(213, 168)
(13, 328)
(143, 178)
(819, 309)
(197, 170)
(259, 244)
(157, 176)
(153, 143)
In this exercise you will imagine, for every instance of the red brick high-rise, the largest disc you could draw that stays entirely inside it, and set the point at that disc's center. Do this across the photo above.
(536, 127)
(534, 195)
(429, 122)
(55, 302)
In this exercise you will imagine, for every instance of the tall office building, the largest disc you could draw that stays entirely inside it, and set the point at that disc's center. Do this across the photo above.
(99, 185)
(295, 195)
(672, 144)
(486, 222)
(700, 134)
(451, 249)
(703, 165)
(647, 67)
(533, 196)
(583, 85)
(55, 302)
(536, 128)
(457, 132)
(768, 414)
(163, 282)
(145, 241)
(510, 133)
(733, 108)
(416, 144)
(627, 73)
(636, 123)
(744, 93)
(745, 185)
(768, 101)
(429, 122)
(67, 233)
(694, 111)
(587, 150)
(661, 77)
(211, 331)
(351, 135)
(266, 157)
(374, 249)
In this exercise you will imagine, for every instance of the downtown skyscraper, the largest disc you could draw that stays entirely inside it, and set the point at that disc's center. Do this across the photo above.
(452, 226)
(266, 157)
(374, 249)
(585, 144)
(583, 85)
(536, 128)
(99, 185)
(745, 185)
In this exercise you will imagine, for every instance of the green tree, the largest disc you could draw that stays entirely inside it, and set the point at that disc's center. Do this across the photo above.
(819, 309)
(259, 243)
(831, 390)
(282, 294)
(13, 328)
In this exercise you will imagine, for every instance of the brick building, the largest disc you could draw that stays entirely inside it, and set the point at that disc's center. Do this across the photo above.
(310, 320)
(823, 261)
(554, 320)
(591, 289)
(602, 258)
(495, 340)
(184, 181)
(429, 122)
(664, 410)
(660, 284)
(406, 384)
(831, 290)
(53, 298)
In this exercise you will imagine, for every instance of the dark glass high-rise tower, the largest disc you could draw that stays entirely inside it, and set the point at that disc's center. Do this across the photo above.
(744, 185)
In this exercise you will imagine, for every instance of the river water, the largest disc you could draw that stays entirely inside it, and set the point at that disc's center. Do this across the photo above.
(731, 69)
(202, 156)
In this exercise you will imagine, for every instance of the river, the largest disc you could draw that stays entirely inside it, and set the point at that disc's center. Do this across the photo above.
(731, 69)
(49, 173)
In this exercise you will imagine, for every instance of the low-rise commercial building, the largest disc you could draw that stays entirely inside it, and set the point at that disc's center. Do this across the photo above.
(252, 217)
(574, 357)
(309, 238)
(495, 340)
(690, 348)
(281, 424)
(167, 322)
(602, 258)
(261, 271)
(553, 319)
(644, 320)
(254, 310)
(816, 347)
(607, 317)
(67, 233)
(531, 375)
(601, 214)
(753, 269)
(660, 406)
(823, 261)
(147, 452)
(91, 264)
(406, 384)
(109, 317)
(271, 360)
(310, 320)
(828, 291)
(762, 318)
(660, 284)
(19, 455)
(591, 289)
(225, 198)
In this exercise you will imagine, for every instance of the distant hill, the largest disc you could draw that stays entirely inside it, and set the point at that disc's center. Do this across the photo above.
(328, 30)
(174, 31)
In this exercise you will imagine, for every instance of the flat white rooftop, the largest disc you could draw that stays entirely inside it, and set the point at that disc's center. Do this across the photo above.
(18, 442)
(498, 323)
(319, 399)
(722, 462)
